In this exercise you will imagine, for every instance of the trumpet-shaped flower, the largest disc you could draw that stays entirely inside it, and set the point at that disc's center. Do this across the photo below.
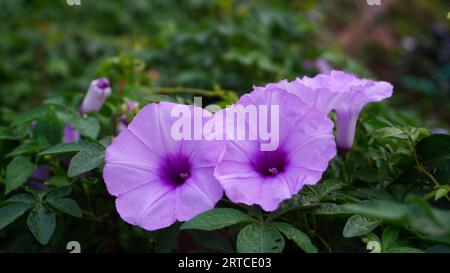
(157, 179)
(96, 95)
(306, 144)
(342, 92)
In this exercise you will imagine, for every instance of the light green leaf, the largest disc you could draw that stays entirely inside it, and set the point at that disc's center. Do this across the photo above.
(358, 226)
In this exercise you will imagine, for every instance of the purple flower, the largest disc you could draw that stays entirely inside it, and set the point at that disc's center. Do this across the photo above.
(96, 95)
(158, 180)
(440, 131)
(342, 92)
(131, 105)
(306, 144)
(38, 177)
(70, 134)
(323, 66)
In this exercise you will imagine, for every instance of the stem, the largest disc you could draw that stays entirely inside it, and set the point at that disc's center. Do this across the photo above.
(322, 240)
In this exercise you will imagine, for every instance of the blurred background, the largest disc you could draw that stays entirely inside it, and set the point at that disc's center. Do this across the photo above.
(51, 48)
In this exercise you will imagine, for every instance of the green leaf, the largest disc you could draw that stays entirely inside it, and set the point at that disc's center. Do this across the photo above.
(300, 238)
(67, 148)
(440, 193)
(390, 132)
(17, 172)
(66, 205)
(41, 222)
(217, 218)
(27, 148)
(390, 235)
(84, 161)
(89, 126)
(166, 238)
(326, 187)
(31, 115)
(329, 209)
(14, 207)
(59, 192)
(418, 217)
(435, 154)
(259, 238)
(358, 226)
(212, 240)
(49, 128)
(405, 250)
(385, 210)
(58, 181)
(22, 198)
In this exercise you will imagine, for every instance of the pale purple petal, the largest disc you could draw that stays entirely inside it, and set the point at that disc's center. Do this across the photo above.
(342, 92)
(98, 92)
(250, 175)
(157, 178)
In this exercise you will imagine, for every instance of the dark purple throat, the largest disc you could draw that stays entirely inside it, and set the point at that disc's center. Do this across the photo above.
(103, 83)
(270, 163)
(175, 169)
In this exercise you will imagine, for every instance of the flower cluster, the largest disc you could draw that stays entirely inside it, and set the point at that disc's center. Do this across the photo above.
(158, 180)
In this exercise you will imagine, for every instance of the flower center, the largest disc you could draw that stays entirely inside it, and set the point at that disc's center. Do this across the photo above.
(273, 171)
(175, 170)
(270, 163)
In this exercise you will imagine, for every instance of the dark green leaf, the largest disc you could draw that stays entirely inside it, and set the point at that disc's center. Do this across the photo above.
(66, 205)
(27, 148)
(59, 192)
(405, 250)
(17, 172)
(11, 210)
(390, 235)
(300, 238)
(89, 126)
(212, 240)
(259, 238)
(84, 161)
(435, 153)
(41, 222)
(67, 148)
(166, 238)
(217, 218)
(49, 128)
(58, 181)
